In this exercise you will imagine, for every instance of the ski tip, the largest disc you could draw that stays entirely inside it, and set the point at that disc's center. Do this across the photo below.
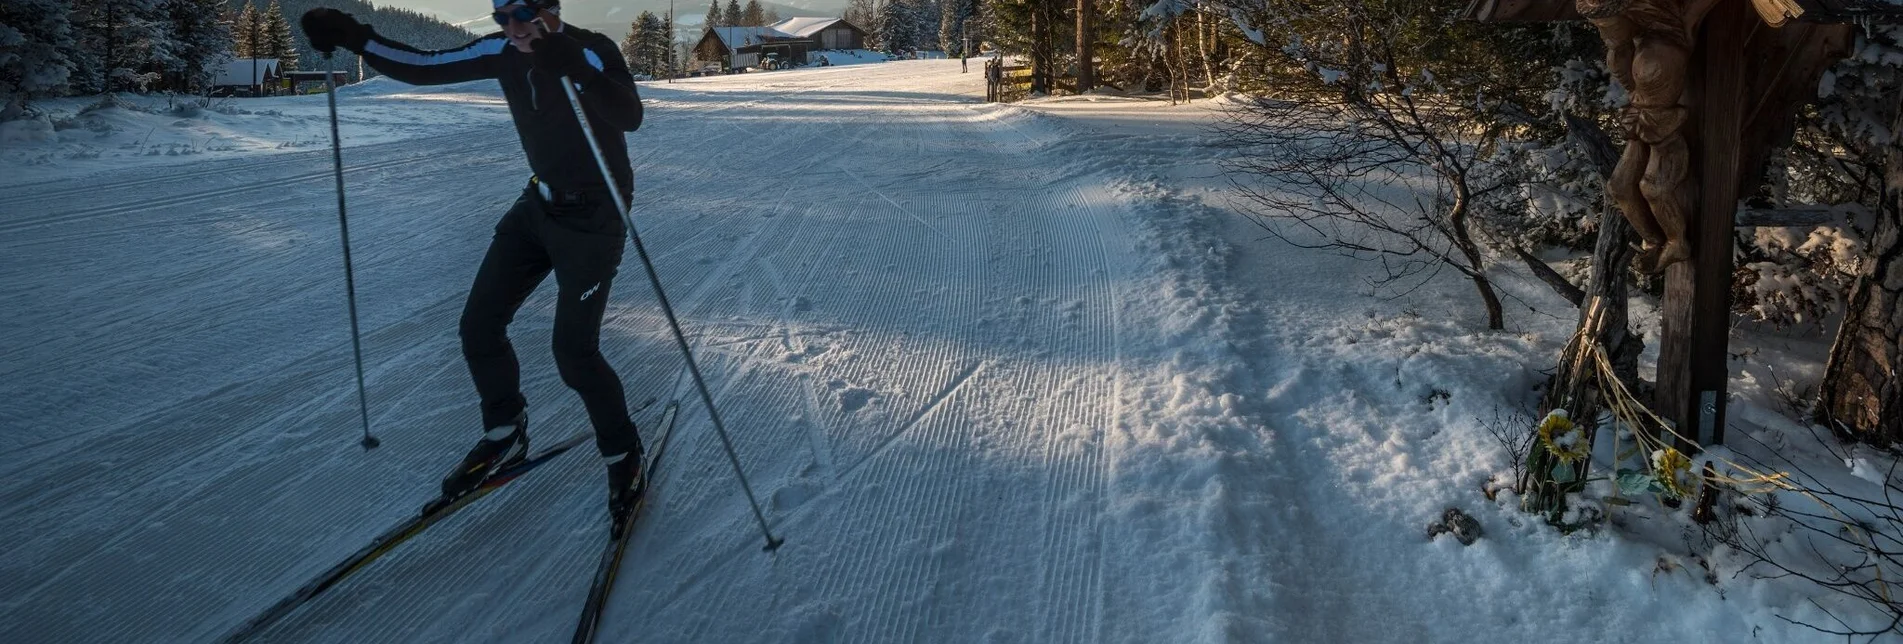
(370, 443)
(773, 543)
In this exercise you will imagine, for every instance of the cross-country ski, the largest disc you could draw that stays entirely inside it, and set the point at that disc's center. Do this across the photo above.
(621, 529)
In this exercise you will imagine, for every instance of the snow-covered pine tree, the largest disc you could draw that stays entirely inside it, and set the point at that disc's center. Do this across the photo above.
(952, 18)
(925, 18)
(278, 41)
(203, 42)
(122, 38)
(35, 39)
(714, 17)
(247, 31)
(753, 15)
(898, 28)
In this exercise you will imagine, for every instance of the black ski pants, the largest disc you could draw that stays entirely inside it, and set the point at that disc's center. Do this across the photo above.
(580, 239)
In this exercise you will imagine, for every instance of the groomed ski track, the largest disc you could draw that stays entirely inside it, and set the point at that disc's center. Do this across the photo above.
(910, 305)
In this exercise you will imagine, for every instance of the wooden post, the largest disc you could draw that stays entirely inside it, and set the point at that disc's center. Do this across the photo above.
(1695, 325)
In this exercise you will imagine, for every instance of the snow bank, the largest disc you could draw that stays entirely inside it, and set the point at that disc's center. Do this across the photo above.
(1292, 434)
(81, 135)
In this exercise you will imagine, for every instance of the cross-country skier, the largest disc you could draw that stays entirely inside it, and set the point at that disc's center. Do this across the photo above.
(565, 221)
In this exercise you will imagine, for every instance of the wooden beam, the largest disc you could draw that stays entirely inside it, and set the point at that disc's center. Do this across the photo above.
(1694, 326)
(1804, 217)
(1521, 10)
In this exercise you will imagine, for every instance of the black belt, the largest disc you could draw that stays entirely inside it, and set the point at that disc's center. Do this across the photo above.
(556, 197)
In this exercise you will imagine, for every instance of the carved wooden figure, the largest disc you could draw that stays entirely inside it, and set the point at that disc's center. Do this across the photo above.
(1648, 50)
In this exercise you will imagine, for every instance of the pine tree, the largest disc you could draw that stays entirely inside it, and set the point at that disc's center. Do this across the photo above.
(203, 40)
(247, 31)
(278, 41)
(631, 46)
(122, 38)
(953, 18)
(897, 28)
(714, 17)
(733, 17)
(655, 44)
(646, 47)
(35, 37)
(754, 15)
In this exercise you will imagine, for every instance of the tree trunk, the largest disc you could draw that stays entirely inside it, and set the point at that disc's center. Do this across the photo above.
(1496, 316)
(1476, 265)
(1086, 75)
(1862, 392)
(1611, 257)
(1202, 50)
(1040, 47)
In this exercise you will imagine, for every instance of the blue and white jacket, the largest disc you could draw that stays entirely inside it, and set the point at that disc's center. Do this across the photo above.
(557, 153)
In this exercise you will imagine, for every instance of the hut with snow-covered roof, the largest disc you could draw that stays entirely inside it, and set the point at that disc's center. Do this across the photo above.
(246, 76)
(826, 33)
(790, 39)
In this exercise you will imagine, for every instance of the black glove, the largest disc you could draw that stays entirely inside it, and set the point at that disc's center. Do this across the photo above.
(557, 53)
(329, 29)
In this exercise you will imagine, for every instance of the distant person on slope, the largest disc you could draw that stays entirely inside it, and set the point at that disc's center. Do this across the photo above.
(565, 221)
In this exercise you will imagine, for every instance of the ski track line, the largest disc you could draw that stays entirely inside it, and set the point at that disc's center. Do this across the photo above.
(929, 490)
(810, 503)
(944, 393)
(953, 435)
(229, 315)
(1108, 230)
(1071, 562)
(497, 524)
(373, 341)
(910, 519)
(224, 440)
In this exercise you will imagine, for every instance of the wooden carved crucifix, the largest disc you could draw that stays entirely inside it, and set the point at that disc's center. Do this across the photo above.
(1648, 51)
(1713, 86)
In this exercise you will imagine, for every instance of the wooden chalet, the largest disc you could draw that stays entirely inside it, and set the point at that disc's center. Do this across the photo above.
(791, 39)
(246, 77)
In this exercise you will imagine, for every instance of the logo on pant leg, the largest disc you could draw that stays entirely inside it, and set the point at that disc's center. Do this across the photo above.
(591, 291)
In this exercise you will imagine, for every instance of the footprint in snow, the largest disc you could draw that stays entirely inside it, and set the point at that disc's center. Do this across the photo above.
(855, 398)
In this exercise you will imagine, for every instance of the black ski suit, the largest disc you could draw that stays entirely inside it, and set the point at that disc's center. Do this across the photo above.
(565, 220)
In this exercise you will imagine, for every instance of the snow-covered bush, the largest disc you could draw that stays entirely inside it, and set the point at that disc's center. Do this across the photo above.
(1791, 277)
(35, 37)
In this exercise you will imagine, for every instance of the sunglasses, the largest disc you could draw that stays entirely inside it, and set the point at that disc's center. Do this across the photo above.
(521, 13)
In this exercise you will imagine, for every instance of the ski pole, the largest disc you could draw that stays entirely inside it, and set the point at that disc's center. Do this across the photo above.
(601, 161)
(343, 225)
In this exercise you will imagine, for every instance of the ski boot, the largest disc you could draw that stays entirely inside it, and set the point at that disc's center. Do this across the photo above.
(625, 486)
(499, 448)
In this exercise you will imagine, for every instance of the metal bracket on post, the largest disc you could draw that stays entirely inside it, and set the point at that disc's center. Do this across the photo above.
(1707, 417)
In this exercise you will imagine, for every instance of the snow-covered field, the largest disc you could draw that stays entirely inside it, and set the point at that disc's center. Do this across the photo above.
(999, 373)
